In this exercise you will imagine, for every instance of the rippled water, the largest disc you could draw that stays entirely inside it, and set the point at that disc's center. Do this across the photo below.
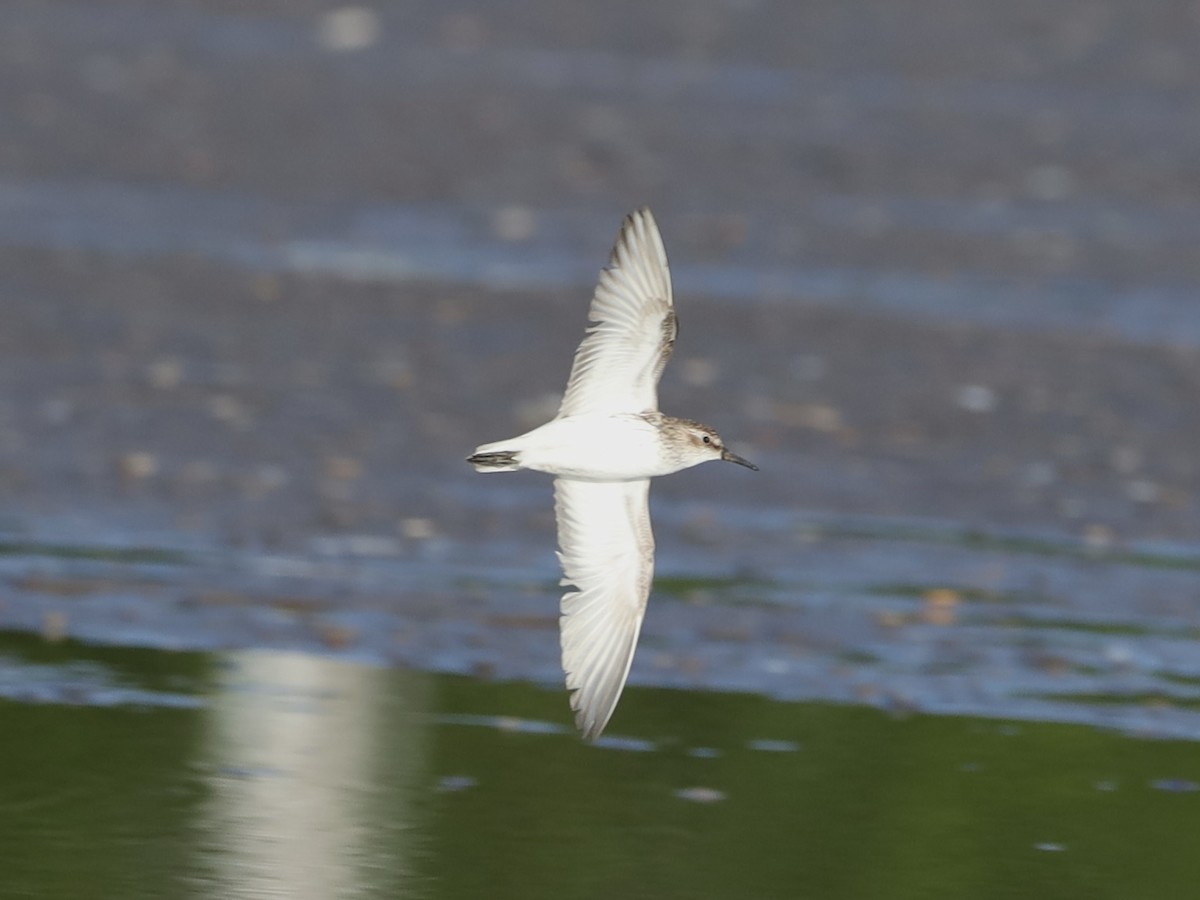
(263, 633)
(898, 614)
(400, 245)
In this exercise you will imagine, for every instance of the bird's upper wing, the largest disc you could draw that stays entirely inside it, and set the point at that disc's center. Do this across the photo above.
(632, 328)
(607, 551)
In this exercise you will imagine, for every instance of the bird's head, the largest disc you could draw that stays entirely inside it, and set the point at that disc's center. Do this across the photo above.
(703, 443)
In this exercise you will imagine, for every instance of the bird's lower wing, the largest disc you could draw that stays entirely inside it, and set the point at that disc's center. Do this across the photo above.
(607, 552)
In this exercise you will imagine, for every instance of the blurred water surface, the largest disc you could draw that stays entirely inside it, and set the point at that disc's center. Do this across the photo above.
(276, 774)
(268, 272)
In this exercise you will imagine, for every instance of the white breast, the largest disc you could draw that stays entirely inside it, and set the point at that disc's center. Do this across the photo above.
(595, 448)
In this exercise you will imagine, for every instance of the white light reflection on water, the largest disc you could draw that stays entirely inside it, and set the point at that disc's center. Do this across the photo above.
(310, 778)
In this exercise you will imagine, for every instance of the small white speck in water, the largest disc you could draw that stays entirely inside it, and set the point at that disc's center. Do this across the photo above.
(700, 794)
(976, 398)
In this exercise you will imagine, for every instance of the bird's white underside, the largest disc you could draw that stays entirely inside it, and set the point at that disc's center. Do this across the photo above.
(606, 546)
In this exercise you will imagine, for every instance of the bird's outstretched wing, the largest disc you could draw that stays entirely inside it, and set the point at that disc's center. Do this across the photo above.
(632, 330)
(607, 551)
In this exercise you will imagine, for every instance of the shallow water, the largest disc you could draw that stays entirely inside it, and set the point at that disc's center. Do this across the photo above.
(258, 774)
(901, 614)
(456, 245)
(264, 289)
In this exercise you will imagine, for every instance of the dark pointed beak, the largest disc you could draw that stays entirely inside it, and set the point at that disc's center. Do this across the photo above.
(729, 456)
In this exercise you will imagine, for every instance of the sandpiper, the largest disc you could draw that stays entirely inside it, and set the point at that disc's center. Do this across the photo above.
(606, 443)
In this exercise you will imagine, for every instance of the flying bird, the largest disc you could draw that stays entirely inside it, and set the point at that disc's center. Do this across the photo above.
(606, 443)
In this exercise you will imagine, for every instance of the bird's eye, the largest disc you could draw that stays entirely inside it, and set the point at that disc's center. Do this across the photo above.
(707, 440)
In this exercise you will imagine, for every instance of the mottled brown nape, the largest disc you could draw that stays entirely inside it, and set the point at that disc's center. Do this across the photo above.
(688, 433)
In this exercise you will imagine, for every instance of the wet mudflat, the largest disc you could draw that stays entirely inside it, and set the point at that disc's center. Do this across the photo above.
(268, 275)
(906, 616)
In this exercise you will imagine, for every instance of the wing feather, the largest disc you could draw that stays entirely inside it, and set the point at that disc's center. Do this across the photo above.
(606, 549)
(633, 327)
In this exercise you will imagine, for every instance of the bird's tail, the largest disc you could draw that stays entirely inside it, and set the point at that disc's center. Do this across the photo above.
(495, 458)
